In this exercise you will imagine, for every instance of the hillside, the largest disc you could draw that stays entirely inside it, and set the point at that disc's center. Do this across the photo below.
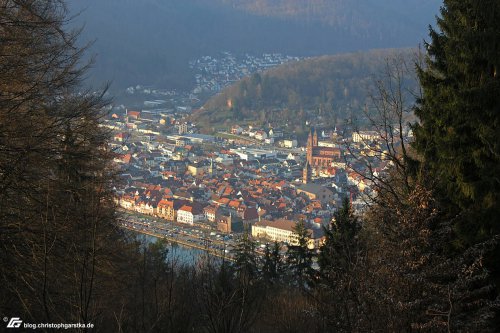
(329, 89)
(368, 16)
(151, 42)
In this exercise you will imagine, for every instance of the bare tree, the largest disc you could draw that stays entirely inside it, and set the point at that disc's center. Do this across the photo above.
(388, 116)
(420, 280)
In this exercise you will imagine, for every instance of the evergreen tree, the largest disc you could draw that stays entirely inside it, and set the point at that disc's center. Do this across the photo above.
(459, 114)
(338, 254)
(299, 256)
(245, 257)
(339, 260)
(272, 265)
(267, 266)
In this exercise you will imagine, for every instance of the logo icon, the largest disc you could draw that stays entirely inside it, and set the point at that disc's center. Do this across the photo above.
(14, 322)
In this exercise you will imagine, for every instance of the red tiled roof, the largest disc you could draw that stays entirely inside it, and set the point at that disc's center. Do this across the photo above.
(234, 204)
(228, 191)
(187, 208)
(166, 203)
(223, 201)
(126, 158)
(135, 114)
(193, 208)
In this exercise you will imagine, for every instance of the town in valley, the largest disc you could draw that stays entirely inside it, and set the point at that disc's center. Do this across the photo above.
(203, 190)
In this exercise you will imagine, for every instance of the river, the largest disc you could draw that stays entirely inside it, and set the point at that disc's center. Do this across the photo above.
(179, 253)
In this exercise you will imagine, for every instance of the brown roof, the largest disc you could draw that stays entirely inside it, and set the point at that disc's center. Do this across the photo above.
(166, 203)
(134, 113)
(193, 208)
(234, 204)
(278, 224)
(210, 209)
(187, 208)
(223, 201)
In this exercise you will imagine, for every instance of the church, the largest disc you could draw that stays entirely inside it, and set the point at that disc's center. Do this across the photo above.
(318, 157)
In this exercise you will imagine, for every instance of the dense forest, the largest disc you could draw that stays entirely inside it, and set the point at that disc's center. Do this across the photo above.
(331, 90)
(152, 41)
(423, 257)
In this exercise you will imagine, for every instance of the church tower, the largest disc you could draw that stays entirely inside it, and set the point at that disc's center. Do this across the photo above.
(315, 138)
(306, 174)
(309, 148)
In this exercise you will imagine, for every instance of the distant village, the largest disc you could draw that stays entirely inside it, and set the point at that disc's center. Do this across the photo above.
(215, 73)
(211, 75)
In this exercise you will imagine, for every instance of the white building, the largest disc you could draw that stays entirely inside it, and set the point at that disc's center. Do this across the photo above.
(250, 153)
(290, 143)
(269, 141)
(210, 213)
(283, 231)
(183, 128)
(276, 231)
(190, 214)
(365, 136)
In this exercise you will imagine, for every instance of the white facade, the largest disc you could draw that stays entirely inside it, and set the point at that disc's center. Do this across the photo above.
(281, 231)
(363, 136)
(276, 231)
(273, 234)
(127, 203)
(185, 217)
(210, 215)
(290, 143)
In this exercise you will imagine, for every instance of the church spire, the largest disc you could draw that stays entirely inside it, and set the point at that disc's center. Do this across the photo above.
(306, 175)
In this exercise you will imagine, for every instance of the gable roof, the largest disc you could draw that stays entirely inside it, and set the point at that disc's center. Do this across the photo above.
(282, 224)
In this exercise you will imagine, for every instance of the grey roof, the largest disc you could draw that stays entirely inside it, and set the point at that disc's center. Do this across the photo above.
(313, 188)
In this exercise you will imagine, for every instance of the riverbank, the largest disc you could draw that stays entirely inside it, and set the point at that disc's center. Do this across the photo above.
(183, 242)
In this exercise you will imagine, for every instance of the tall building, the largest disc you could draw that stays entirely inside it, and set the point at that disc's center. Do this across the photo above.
(183, 128)
(306, 176)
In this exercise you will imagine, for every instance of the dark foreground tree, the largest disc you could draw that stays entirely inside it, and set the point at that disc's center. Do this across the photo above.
(272, 266)
(460, 114)
(338, 253)
(459, 119)
(59, 250)
(339, 261)
(300, 256)
(245, 258)
(415, 280)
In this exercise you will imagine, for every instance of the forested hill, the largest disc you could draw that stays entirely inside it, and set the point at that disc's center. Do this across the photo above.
(151, 42)
(335, 88)
(363, 18)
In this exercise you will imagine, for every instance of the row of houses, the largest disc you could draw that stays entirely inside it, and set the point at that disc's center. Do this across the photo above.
(226, 217)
